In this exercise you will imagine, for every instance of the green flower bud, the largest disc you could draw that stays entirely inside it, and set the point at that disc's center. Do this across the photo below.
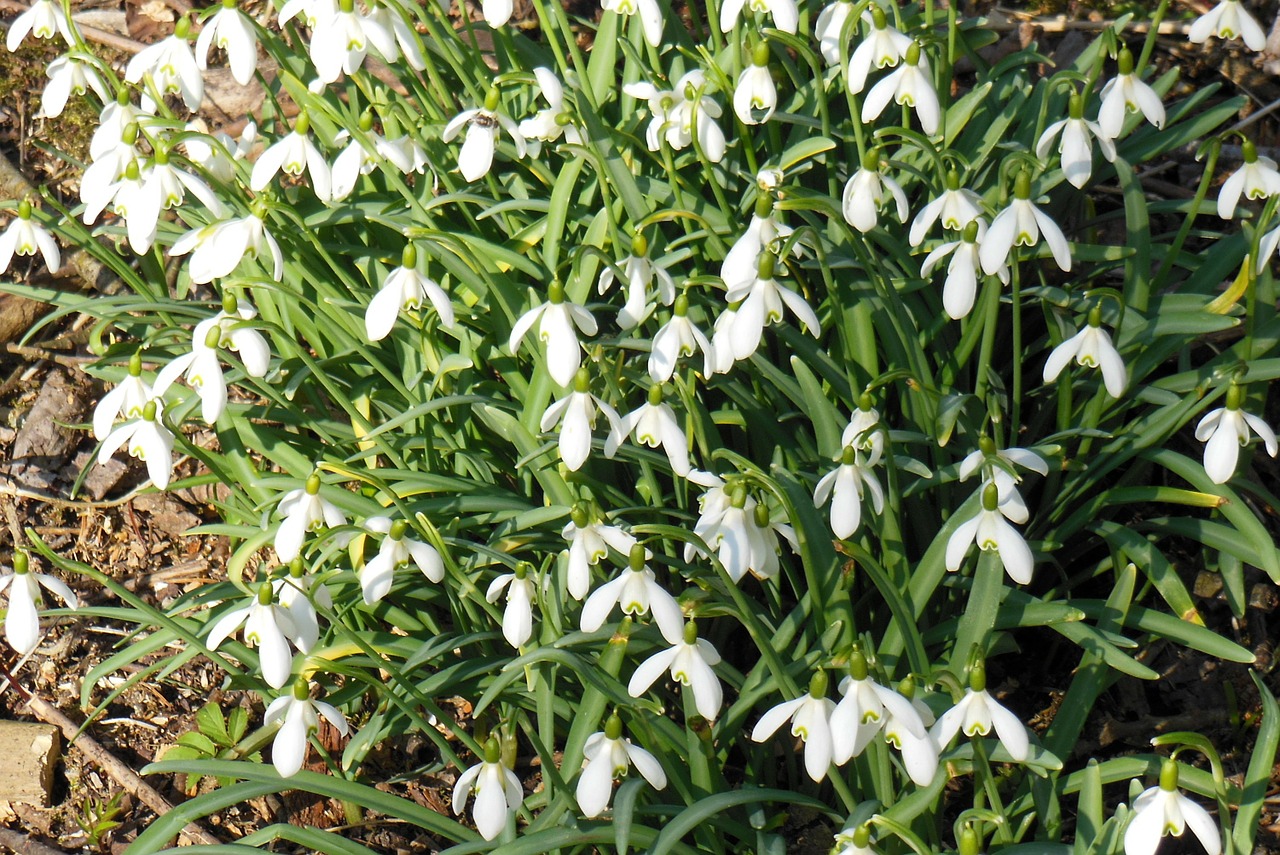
(582, 381)
(1169, 775)
(313, 484)
(690, 632)
(978, 676)
(818, 685)
(1022, 185)
(266, 595)
(398, 529)
(301, 689)
(1075, 106)
(613, 727)
(149, 411)
(970, 234)
(1125, 61)
(858, 665)
(636, 558)
(492, 750)
(990, 498)
(21, 563)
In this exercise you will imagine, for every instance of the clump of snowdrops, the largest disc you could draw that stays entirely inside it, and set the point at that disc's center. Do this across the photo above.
(717, 403)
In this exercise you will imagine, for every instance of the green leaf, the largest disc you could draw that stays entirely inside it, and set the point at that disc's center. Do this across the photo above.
(210, 721)
(1257, 778)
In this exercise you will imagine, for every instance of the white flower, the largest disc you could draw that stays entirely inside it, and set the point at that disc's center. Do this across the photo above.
(301, 716)
(742, 262)
(296, 595)
(690, 662)
(268, 625)
(607, 756)
(865, 710)
(294, 153)
(762, 305)
(340, 42)
(232, 31)
(856, 841)
(127, 400)
(172, 67)
(24, 236)
(1162, 810)
(637, 592)
(919, 752)
(843, 486)
(126, 199)
(1225, 431)
(961, 285)
(885, 47)
(113, 127)
(312, 11)
(22, 618)
(1228, 20)
(810, 720)
(755, 91)
(165, 187)
(1021, 224)
(829, 27)
(990, 529)
(737, 529)
(999, 467)
(218, 154)
(358, 159)
(550, 124)
(147, 439)
(654, 424)
(909, 85)
(304, 510)
(648, 10)
(219, 248)
(42, 19)
(203, 372)
(1256, 179)
(640, 274)
(576, 415)
(956, 207)
(395, 552)
(589, 542)
(693, 116)
(786, 16)
(404, 289)
(497, 12)
(678, 338)
(721, 355)
(393, 36)
(864, 431)
(976, 714)
(1127, 92)
(1074, 148)
(556, 321)
(1092, 348)
(517, 619)
(497, 789)
(483, 125)
(866, 191)
(68, 75)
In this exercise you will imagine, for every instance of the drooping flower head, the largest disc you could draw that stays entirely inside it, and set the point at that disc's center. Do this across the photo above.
(607, 756)
(976, 715)
(1074, 148)
(1021, 224)
(1127, 93)
(497, 790)
(24, 236)
(1092, 348)
(1225, 431)
(1161, 811)
(22, 617)
(300, 716)
(810, 717)
(689, 662)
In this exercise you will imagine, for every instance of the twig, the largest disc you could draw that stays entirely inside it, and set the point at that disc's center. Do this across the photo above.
(122, 774)
(24, 845)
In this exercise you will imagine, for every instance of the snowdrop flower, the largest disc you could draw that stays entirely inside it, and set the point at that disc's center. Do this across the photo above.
(122, 195)
(1256, 179)
(998, 467)
(990, 529)
(1228, 20)
(844, 486)
(654, 424)
(648, 10)
(606, 757)
(127, 399)
(1074, 149)
(294, 153)
(689, 662)
(497, 789)
(1021, 224)
(640, 274)
(340, 42)
(147, 439)
(956, 207)
(550, 124)
(556, 320)
(404, 289)
(589, 541)
(637, 592)
(232, 31)
(961, 285)
(517, 619)
(977, 713)
(864, 431)
(919, 752)
(855, 841)
(829, 27)
(68, 75)
(1161, 811)
(884, 48)
(1225, 431)
(203, 373)
(312, 11)
(482, 124)
(218, 154)
(1125, 93)
(116, 117)
(24, 236)
(692, 117)
(1092, 348)
(300, 716)
(576, 415)
(809, 716)
(721, 355)
(165, 187)
(786, 16)
(355, 159)
(661, 103)
(755, 91)
(42, 19)
(737, 529)
(762, 304)
(295, 596)
(395, 552)
(393, 36)
(864, 710)
(678, 338)
(497, 12)
(172, 67)
(305, 510)
(22, 619)
(909, 85)
(866, 191)
(742, 262)
(268, 625)
(218, 248)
